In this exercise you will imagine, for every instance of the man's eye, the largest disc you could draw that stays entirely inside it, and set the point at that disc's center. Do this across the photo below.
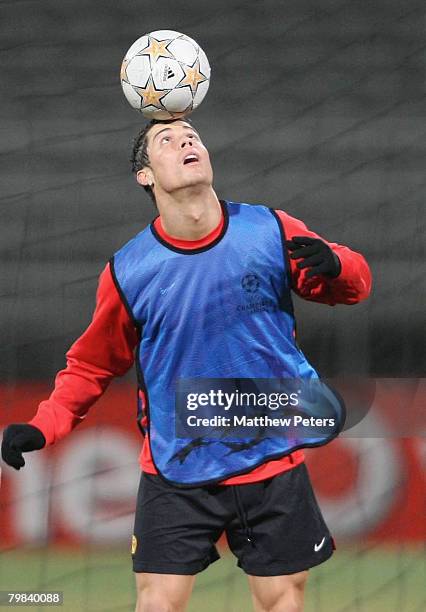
(165, 139)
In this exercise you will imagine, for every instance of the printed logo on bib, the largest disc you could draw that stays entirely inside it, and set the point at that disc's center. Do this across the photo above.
(250, 283)
(252, 286)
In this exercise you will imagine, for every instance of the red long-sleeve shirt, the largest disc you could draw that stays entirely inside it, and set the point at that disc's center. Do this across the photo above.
(107, 347)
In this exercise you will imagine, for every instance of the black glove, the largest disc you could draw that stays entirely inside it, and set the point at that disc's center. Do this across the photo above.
(316, 254)
(18, 439)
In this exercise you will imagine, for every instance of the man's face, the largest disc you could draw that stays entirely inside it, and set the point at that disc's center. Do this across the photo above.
(177, 157)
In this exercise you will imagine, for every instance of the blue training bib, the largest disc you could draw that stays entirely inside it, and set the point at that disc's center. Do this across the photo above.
(222, 311)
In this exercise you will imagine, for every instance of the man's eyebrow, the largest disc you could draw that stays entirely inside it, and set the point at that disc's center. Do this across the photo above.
(163, 130)
(167, 129)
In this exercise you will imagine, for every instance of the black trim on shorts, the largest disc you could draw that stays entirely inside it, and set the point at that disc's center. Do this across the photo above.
(287, 569)
(188, 569)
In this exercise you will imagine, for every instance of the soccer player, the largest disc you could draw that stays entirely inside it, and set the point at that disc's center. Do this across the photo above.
(204, 291)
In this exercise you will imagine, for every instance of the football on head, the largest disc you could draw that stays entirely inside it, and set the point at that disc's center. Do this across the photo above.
(165, 75)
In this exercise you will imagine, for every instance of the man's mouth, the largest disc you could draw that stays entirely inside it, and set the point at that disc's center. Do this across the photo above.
(190, 158)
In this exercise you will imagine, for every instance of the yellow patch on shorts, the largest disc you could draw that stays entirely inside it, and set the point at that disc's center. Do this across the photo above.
(134, 544)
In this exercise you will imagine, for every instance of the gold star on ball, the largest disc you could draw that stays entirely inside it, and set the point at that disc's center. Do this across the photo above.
(123, 73)
(150, 96)
(193, 77)
(156, 49)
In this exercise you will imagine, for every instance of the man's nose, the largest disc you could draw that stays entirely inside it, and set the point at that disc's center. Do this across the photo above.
(187, 141)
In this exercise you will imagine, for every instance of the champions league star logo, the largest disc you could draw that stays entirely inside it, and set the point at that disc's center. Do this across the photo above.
(250, 283)
(255, 301)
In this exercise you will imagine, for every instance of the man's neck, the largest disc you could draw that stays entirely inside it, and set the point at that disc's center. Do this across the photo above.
(190, 218)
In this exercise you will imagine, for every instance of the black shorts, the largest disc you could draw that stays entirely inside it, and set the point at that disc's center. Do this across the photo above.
(273, 527)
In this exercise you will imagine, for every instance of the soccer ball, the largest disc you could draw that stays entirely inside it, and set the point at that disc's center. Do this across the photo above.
(165, 75)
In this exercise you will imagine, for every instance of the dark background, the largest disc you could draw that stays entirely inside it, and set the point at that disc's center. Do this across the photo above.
(315, 107)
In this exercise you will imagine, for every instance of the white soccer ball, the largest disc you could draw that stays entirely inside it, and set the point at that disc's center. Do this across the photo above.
(165, 75)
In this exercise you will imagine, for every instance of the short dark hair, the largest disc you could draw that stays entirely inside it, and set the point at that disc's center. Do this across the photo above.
(140, 157)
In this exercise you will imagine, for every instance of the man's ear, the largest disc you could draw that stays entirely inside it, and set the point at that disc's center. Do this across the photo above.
(144, 177)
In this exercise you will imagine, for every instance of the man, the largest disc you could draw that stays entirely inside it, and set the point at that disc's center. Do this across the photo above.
(177, 299)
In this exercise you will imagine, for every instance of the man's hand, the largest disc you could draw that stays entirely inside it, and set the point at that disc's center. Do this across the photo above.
(316, 254)
(18, 439)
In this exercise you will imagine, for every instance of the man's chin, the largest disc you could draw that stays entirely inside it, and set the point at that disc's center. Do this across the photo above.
(196, 184)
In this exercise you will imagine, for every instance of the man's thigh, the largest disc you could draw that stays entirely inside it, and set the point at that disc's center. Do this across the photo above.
(163, 592)
(278, 593)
